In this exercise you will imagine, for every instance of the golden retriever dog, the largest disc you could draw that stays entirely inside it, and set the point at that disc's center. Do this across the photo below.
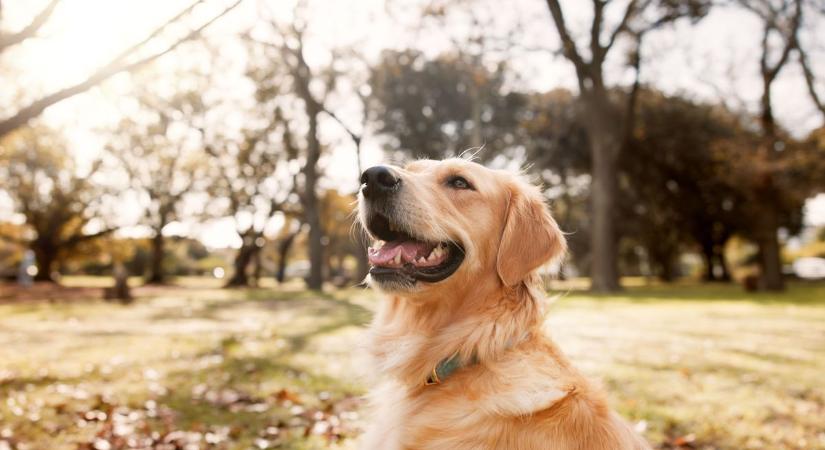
(458, 341)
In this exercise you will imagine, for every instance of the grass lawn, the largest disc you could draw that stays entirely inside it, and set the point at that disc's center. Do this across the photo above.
(195, 366)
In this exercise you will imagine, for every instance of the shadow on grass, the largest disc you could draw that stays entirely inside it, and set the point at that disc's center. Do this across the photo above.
(797, 292)
(286, 295)
(253, 395)
(16, 383)
(320, 304)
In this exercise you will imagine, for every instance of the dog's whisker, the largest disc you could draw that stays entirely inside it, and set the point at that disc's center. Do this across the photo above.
(474, 156)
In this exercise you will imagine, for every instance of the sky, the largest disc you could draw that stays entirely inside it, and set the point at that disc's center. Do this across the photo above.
(720, 54)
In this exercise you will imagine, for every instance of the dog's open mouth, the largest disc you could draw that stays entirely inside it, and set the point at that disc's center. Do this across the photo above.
(401, 257)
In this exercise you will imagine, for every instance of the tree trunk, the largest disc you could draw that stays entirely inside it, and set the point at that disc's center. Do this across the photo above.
(257, 257)
(666, 271)
(605, 140)
(156, 275)
(243, 258)
(770, 260)
(708, 255)
(723, 263)
(331, 271)
(45, 256)
(661, 260)
(767, 221)
(312, 211)
(120, 290)
(316, 250)
(283, 252)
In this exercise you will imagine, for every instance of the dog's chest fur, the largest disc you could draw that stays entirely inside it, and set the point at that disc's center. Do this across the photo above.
(485, 406)
(529, 398)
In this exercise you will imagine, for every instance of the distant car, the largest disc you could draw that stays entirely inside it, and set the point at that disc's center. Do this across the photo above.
(810, 268)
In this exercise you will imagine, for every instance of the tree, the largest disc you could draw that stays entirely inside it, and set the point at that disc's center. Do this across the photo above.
(765, 168)
(161, 150)
(336, 215)
(122, 62)
(361, 91)
(676, 192)
(287, 237)
(254, 178)
(302, 91)
(59, 202)
(605, 129)
(436, 108)
(808, 72)
(783, 22)
(302, 78)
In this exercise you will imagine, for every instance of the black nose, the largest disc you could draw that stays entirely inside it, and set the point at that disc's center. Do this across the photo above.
(379, 181)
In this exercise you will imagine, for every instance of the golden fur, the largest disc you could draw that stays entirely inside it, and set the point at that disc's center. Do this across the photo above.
(523, 394)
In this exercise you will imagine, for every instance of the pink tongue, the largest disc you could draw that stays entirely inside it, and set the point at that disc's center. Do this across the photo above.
(409, 251)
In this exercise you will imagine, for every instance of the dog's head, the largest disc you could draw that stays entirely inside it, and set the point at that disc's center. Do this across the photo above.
(449, 224)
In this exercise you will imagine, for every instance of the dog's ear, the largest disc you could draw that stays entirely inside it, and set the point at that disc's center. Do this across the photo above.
(530, 237)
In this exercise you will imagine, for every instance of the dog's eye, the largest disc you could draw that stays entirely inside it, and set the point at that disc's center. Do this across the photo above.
(457, 182)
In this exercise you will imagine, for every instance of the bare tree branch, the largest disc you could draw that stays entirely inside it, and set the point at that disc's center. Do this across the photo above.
(763, 58)
(623, 25)
(596, 50)
(810, 80)
(31, 29)
(728, 96)
(115, 66)
(568, 44)
(770, 17)
(356, 138)
(125, 53)
(633, 96)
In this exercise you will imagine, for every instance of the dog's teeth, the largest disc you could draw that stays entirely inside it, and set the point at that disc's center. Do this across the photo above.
(432, 256)
(398, 258)
(421, 260)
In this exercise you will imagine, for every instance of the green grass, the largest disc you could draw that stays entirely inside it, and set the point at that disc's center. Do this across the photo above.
(702, 366)
(725, 369)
